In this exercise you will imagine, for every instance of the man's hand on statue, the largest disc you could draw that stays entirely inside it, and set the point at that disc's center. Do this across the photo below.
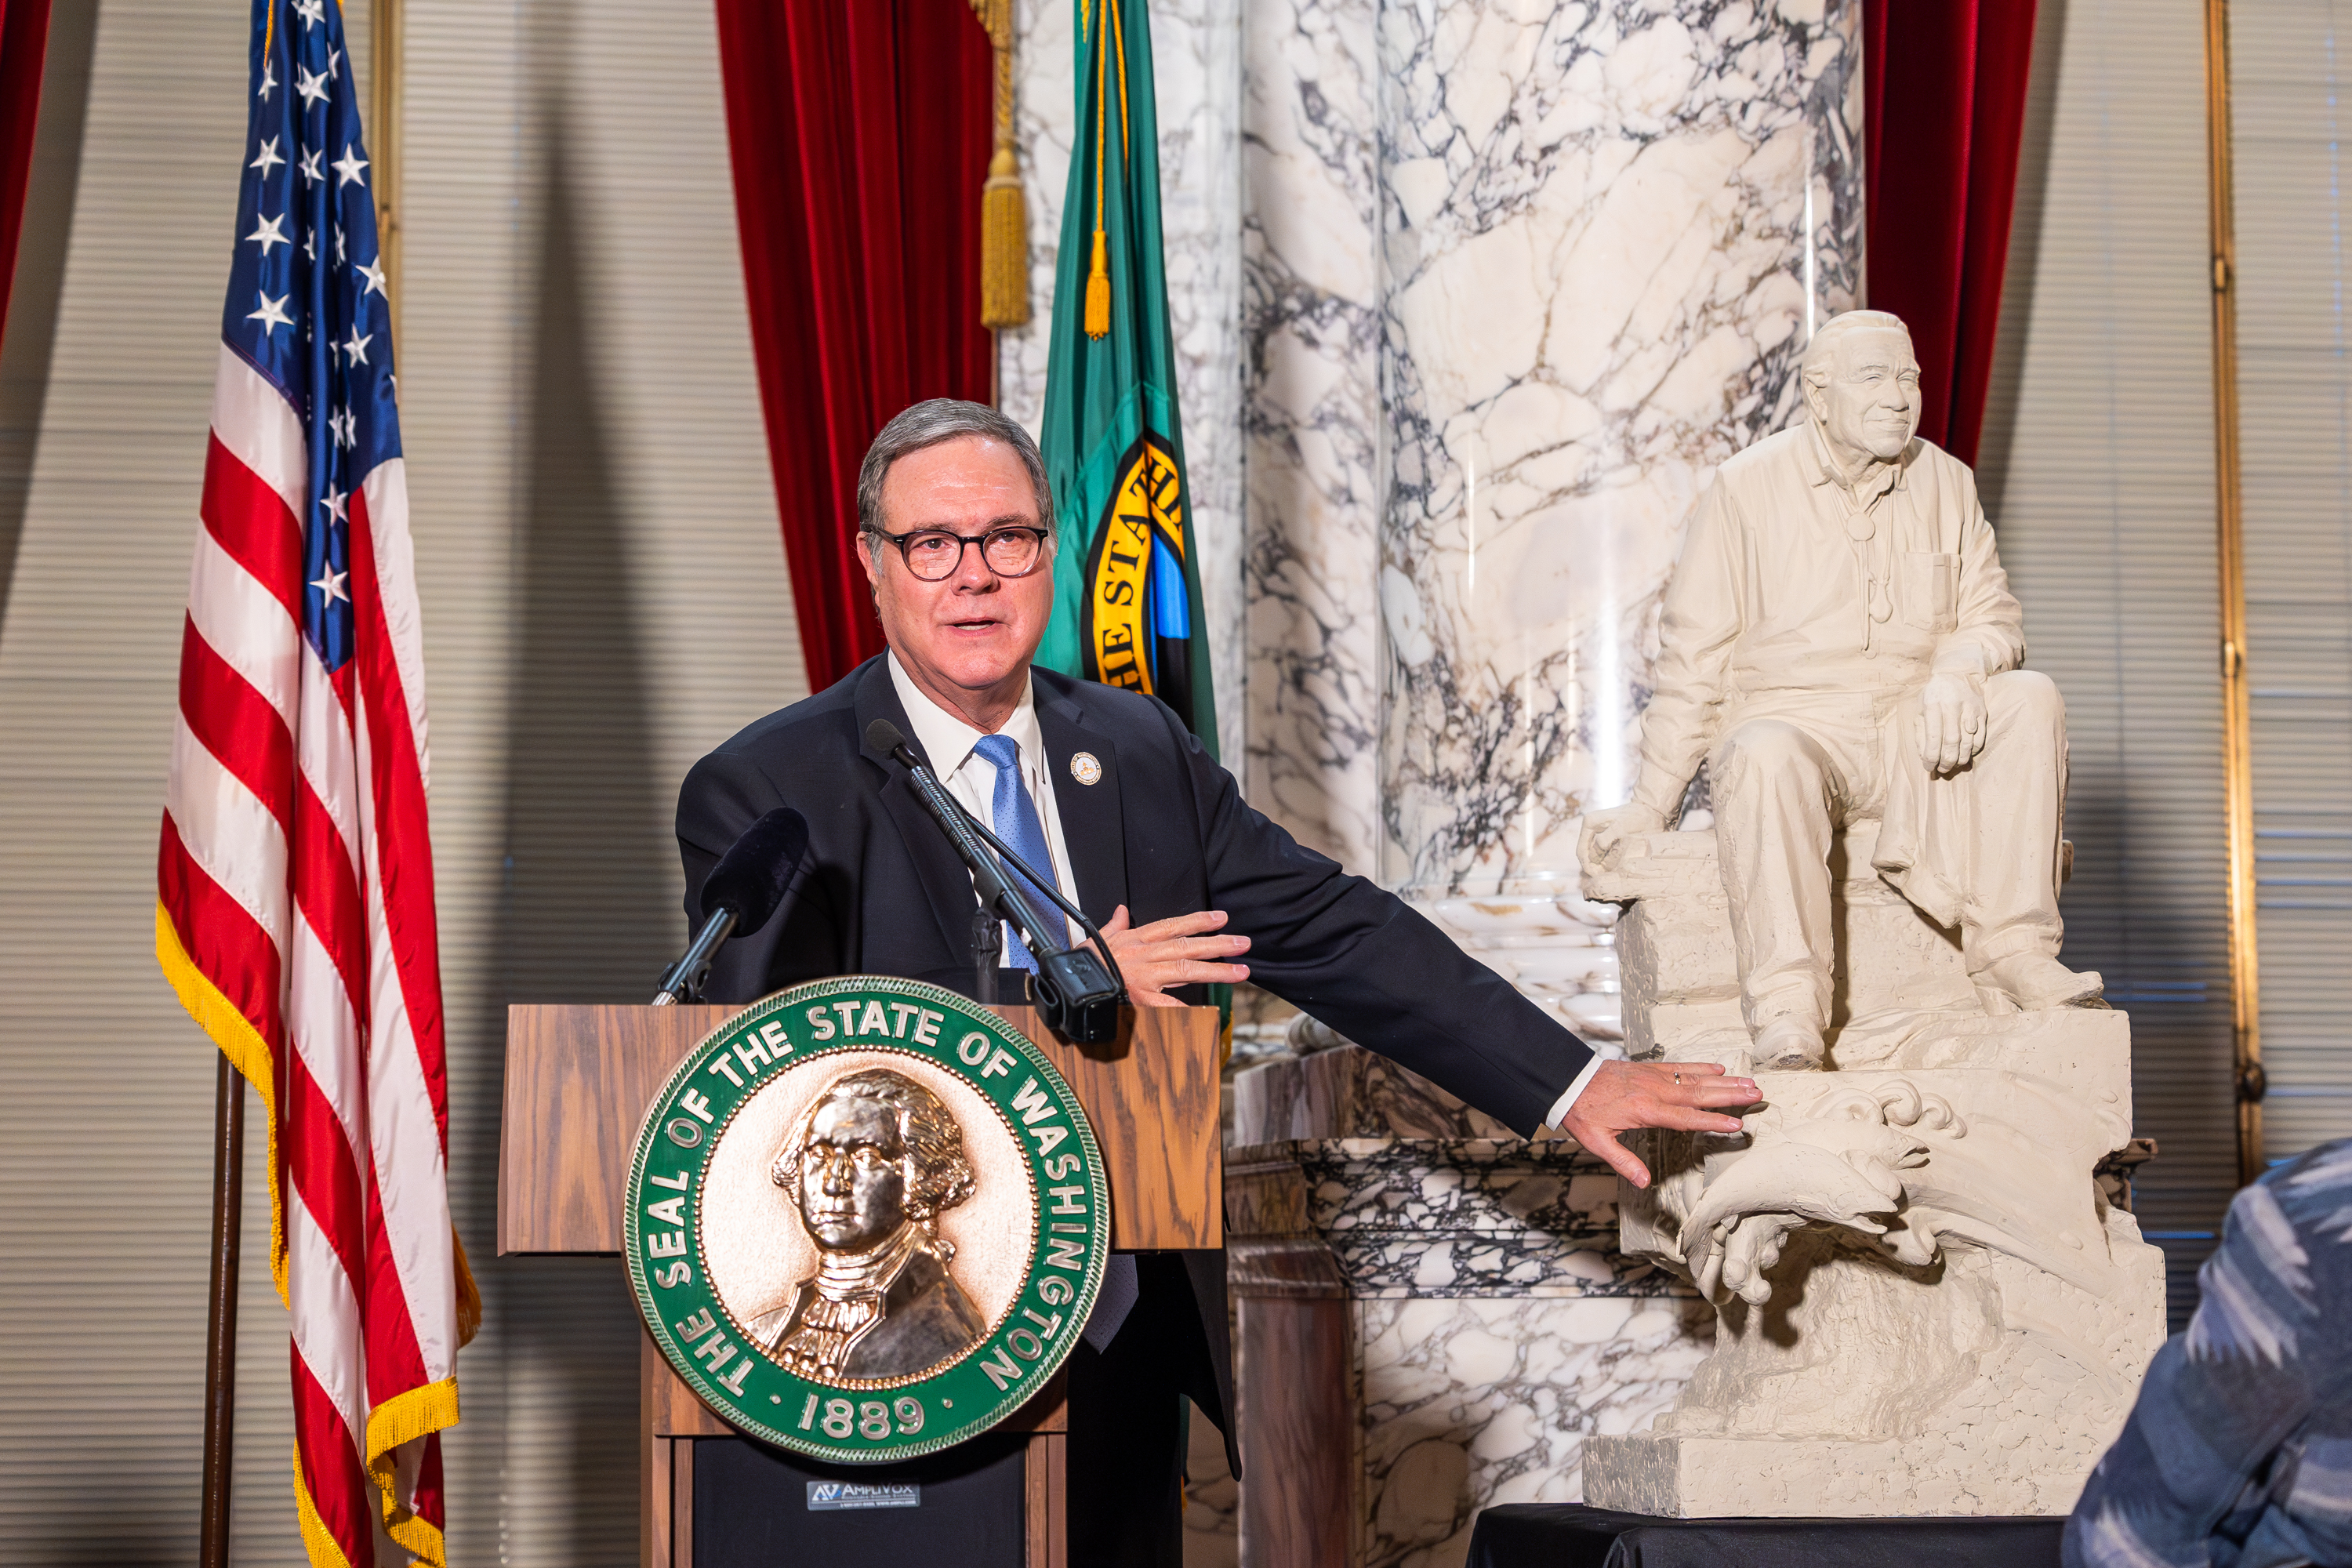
(1604, 830)
(1952, 722)
(1687, 1097)
(1177, 950)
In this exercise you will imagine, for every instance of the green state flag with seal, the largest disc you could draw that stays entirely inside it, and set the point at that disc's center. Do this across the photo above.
(1127, 575)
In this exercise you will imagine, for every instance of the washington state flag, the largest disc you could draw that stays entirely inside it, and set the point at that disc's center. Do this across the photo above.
(1127, 575)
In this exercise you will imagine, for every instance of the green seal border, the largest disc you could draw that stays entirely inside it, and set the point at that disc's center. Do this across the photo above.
(755, 1393)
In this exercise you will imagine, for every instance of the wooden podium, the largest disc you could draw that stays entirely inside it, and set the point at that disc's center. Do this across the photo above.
(579, 1079)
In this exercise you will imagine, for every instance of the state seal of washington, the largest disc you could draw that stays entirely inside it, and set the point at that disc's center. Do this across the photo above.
(866, 1219)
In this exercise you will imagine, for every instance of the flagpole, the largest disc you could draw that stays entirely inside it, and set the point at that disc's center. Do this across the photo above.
(386, 34)
(220, 1336)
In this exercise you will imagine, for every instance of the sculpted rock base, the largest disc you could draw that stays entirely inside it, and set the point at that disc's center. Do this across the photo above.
(1925, 1304)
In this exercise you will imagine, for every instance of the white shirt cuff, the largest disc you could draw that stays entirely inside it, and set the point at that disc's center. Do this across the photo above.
(1566, 1102)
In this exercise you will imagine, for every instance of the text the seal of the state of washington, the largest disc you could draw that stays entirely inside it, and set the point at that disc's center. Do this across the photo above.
(866, 1219)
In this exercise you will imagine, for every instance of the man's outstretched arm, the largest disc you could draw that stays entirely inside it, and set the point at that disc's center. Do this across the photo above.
(1363, 962)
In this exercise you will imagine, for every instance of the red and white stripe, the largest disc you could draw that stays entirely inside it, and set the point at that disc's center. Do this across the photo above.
(296, 919)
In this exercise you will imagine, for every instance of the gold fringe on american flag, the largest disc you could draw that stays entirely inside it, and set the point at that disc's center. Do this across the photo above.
(295, 911)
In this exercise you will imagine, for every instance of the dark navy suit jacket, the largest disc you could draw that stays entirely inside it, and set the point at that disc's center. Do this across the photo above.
(1165, 832)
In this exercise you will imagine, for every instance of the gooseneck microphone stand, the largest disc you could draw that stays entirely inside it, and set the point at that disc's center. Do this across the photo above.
(987, 941)
(1078, 989)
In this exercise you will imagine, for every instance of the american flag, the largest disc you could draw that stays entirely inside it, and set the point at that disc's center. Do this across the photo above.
(295, 912)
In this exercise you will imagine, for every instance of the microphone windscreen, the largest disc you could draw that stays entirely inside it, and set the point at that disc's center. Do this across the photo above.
(752, 876)
(884, 737)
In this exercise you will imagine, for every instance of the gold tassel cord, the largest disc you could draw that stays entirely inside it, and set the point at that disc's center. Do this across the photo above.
(1119, 41)
(1098, 275)
(1098, 291)
(1004, 245)
(1003, 208)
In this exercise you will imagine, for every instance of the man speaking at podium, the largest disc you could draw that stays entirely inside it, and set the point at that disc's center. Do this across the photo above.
(1153, 840)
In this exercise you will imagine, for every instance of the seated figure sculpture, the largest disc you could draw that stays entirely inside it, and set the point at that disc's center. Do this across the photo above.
(1926, 1302)
(1840, 644)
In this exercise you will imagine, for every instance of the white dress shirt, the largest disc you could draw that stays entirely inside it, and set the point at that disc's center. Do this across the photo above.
(1567, 1101)
(948, 742)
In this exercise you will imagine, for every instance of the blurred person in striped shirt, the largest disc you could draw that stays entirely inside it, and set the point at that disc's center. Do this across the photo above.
(2239, 1453)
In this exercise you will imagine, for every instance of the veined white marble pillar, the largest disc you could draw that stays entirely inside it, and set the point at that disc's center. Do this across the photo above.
(1196, 71)
(1608, 232)
(1311, 278)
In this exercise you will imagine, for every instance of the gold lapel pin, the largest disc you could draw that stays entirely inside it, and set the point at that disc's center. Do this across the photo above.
(1085, 769)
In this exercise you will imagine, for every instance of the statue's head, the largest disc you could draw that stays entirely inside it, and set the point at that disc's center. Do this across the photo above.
(1861, 384)
(877, 1152)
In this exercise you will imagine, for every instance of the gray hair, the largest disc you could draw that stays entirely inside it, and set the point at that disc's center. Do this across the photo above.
(1820, 354)
(928, 424)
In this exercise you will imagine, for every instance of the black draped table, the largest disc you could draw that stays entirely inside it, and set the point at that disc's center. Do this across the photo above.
(1570, 1535)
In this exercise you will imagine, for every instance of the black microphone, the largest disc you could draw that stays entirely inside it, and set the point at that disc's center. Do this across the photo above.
(1078, 989)
(739, 897)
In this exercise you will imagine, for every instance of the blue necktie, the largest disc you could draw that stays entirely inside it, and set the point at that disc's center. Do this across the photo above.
(1016, 822)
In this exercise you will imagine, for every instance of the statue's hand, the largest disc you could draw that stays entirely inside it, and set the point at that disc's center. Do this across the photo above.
(1952, 722)
(1604, 830)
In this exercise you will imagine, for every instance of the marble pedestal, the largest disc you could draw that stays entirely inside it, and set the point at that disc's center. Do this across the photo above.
(1433, 1315)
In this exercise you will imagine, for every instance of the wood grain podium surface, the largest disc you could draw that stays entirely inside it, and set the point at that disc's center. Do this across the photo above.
(579, 1079)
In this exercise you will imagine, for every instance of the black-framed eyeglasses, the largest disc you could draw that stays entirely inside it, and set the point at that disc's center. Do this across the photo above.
(934, 555)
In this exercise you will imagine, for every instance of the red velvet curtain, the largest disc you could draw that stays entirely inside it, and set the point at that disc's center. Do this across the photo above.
(1944, 112)
(861, 135)
(24, 37)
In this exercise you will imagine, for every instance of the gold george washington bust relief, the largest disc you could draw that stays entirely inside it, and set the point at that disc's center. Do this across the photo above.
(872, 1165)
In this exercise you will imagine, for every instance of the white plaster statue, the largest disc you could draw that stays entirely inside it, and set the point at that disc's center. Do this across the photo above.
(1840, 644)
(1925, 1302)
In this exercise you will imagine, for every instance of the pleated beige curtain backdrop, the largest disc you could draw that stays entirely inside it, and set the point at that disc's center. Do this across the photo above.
(2289, 64)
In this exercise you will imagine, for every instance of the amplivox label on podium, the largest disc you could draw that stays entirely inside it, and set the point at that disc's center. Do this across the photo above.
(865, 1220)
(826, 1495)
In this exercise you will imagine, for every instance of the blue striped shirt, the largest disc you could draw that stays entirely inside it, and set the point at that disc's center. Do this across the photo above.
(2239, 1453)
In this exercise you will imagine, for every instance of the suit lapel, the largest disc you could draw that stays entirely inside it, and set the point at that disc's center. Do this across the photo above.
(1094, 827)
(947, 885)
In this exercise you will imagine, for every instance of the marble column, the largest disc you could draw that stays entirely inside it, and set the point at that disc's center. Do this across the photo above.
(1607, 232)
(1311, 323)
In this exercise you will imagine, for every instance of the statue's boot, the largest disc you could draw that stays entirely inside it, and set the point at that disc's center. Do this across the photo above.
(1789, 1043)
(2035, 981)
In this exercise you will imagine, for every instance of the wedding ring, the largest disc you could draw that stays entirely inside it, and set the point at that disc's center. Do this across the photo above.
(1678, 1080)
